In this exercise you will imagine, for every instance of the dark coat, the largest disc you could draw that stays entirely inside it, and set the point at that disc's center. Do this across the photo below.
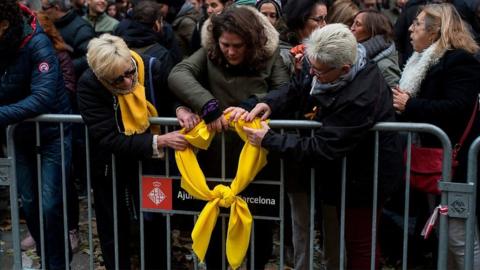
(144, 40)
(167, 38)
(33, 83)
(347, 115)
(446, 99)
(77, 33)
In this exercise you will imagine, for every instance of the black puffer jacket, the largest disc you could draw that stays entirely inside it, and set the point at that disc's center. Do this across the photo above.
(32, 84)
(347, 116)
(77, 33)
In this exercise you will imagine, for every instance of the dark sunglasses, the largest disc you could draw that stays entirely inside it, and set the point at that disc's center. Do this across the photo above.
(319, 19)
(127, 74)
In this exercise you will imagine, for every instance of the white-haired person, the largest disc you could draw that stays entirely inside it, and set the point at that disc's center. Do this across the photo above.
(348, 95)
(116, 96)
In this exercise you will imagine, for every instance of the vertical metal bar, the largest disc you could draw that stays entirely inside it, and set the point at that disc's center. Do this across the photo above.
(89, 199)
(342, 214)
(17, 253)
(442, 260)
(252, 247)
(142, 224)
(64, 198)
(282, 212)
(406, 214)
(115, 211)
(169, 242)
(223, 243)
(223, 156)
(471, 231)
(311, 227)
(167, 157)
(375, 203)
(40, 196)
(195, 259)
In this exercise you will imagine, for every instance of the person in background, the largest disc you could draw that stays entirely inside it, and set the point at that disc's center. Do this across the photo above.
(239, 60)
(98, 19)
(302, 18)
(440, 86)
(373, 30)
(353, 96)
(32, 84)
(272, 9)
(112, 11)
(342, 11)
(212, 7)
(79, 7)
(63, 54)
(184, 25)
(116, 97)
(74, 30)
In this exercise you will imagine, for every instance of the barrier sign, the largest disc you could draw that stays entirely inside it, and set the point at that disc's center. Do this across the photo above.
(160, 193)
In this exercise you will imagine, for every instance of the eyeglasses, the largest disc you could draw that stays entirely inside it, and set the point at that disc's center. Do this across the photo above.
(319, 19)
(315, 72)
(127, 74)
(45, 8)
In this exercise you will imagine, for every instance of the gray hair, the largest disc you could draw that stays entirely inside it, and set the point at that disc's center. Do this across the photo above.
(333, 45)
(64, 5)
(106, 53)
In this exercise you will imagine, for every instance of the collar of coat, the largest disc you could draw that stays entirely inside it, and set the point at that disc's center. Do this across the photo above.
(417, 67)
(271, 46)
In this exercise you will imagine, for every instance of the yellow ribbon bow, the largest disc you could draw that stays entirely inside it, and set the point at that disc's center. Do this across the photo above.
(252, 160)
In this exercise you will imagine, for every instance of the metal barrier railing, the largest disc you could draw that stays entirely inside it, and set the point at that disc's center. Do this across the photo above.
(446, 187)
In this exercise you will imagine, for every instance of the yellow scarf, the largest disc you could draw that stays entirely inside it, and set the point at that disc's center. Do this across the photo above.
(134, 106)
(252, 160)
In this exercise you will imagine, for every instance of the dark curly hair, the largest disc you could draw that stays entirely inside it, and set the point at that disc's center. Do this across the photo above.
(10, 11)
(243, 22)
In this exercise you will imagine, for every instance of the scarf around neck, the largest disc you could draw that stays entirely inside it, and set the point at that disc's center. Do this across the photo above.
(321, 88)
(134, 106)
(417, 67)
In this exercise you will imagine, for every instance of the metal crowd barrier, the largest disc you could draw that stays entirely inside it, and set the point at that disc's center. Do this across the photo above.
(451, 193)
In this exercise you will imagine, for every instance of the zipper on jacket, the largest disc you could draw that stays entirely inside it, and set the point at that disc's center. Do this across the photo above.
(115, 110)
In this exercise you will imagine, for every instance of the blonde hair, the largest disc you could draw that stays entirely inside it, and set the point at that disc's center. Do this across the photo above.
(447, 23)
(106, 53)
(342, 11)
(333, 45)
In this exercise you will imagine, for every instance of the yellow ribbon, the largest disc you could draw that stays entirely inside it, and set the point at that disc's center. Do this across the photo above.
(252, 160)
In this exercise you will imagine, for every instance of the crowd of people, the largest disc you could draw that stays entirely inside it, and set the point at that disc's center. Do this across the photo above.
(347, 64)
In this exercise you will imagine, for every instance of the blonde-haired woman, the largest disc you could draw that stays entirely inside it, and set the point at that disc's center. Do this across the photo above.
(440, 86)
(116, 96)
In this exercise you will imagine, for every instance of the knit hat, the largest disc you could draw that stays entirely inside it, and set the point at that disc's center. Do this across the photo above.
(276, 3)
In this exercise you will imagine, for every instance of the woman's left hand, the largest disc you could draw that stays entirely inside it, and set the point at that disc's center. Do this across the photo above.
(255, 136)
(400, 99)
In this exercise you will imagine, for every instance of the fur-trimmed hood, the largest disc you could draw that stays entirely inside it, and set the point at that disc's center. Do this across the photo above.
(272, 35)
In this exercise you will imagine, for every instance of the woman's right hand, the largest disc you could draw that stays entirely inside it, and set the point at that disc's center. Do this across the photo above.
(187, 118)
(174, 140)
(260, 109)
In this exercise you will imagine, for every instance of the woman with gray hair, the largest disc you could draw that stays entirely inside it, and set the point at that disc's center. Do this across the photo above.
(116, 96)
(348, 95)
